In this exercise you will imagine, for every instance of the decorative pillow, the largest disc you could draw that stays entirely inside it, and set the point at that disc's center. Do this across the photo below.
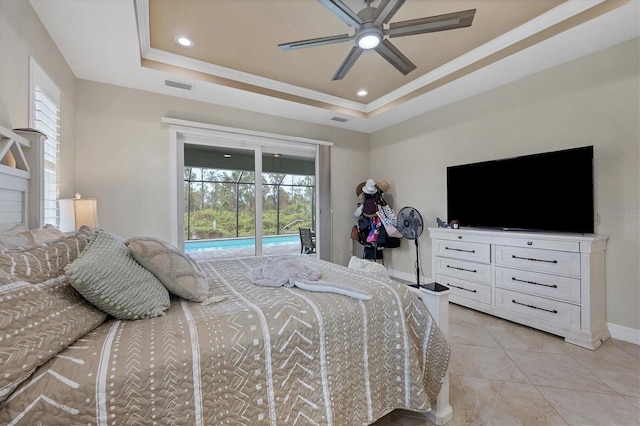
(8, 229)
(368, 266)
(47, 234)
(37, 321)
(179, 273)
(13, 240)
(39, 263)
(108, 276)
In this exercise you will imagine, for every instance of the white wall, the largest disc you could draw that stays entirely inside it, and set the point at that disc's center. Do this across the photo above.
(22, 35)
(590, 101)
(123, 157)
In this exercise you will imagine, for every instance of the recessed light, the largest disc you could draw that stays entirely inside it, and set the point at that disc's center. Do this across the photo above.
(227, 156)
(276, 155)
(362, 92)
(184, 41)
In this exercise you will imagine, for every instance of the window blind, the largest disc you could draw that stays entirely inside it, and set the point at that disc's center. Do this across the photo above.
(46, 119)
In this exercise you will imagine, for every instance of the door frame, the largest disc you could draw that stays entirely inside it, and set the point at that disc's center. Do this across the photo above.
(194, 133)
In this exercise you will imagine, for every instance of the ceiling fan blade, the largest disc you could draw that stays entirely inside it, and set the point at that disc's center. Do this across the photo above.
(391, 53)
(386, 10)
(312, 42)
(348, 62)
(431, 24)
(342, 11)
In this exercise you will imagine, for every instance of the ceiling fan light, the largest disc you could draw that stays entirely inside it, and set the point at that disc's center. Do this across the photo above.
(368, 41)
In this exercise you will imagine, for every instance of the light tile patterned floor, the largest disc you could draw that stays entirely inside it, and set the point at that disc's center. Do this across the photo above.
(506, 374)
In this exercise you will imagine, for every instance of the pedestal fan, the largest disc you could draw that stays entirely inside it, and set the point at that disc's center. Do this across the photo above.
(411, 225)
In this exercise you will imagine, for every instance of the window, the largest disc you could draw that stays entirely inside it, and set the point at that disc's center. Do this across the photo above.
(45, 117)
(221, 203)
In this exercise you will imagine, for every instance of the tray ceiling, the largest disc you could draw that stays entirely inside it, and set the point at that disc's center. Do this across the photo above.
(236, 60)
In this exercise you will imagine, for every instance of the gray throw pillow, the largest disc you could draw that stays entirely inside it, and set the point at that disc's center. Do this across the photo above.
(108, 276)
(179, 273)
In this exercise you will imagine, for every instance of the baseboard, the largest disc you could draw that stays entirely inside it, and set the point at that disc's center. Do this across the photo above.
(627, 334)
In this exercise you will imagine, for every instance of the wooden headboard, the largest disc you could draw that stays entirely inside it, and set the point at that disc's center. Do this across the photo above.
(15, 176)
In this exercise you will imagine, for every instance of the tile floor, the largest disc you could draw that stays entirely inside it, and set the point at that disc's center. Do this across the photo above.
(503, 373)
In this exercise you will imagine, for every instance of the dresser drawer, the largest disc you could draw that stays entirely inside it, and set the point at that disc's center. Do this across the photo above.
(461, 269)
(549, 261)
(467, 289)
(538, 243)
(474, 252)
(558, 313)
(456, 235)
(537, 284)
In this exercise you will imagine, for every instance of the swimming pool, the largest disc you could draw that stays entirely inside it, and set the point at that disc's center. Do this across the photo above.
(236, 243)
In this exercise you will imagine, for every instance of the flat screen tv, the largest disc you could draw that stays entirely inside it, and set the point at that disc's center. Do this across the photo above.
(552, 191)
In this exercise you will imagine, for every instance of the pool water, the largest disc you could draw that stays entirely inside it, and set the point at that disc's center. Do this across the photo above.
(236, 243)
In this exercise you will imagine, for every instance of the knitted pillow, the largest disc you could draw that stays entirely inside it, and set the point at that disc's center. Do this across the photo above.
(179, 273)
(108, 276)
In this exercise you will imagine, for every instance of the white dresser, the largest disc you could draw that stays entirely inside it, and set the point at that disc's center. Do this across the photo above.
(552, 282)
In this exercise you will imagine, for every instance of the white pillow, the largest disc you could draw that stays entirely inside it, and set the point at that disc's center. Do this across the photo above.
(12, 229)
(368, 266)
(46, 234)
(14, 240)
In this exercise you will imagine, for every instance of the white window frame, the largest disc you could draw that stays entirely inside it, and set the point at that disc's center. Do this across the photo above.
(47, 103)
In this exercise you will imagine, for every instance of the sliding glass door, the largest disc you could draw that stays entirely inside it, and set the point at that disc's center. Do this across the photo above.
(218, 172)
(223, 217)
(288, 201)
(219, 199)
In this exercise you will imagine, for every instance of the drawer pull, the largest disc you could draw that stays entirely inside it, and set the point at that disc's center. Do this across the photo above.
(533, 259)
(457, 249)
(534, 307)
(462, 269)
(534, 283)
(462, 288)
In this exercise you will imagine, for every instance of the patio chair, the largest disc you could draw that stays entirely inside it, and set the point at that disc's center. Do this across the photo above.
(307, 241)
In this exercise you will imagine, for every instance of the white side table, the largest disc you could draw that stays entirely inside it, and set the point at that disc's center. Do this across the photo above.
(436, 299)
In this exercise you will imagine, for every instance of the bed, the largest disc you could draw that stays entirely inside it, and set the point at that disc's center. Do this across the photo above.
(247, 355)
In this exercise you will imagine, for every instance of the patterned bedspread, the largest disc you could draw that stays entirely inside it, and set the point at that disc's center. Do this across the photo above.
(261, 356)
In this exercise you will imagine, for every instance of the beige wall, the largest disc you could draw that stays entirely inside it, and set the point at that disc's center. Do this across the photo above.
(22, 35)
(590, 101)
(123, 157)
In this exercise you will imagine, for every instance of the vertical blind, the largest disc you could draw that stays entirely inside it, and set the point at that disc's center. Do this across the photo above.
(47, 119)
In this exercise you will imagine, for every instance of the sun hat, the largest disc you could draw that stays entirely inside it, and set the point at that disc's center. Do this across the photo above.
(370, 187)
(359, 189)
(383, 186)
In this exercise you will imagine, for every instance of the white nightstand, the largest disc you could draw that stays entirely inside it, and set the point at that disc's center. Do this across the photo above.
(437, 301)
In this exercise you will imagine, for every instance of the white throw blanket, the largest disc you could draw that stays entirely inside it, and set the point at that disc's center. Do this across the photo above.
(290, 272)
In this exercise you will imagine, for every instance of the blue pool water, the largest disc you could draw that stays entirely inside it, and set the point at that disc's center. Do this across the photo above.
(235, 243)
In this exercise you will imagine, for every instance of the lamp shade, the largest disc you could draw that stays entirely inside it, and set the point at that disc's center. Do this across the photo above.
(75, 212)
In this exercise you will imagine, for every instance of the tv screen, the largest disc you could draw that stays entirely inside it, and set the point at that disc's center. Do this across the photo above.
(552, 191)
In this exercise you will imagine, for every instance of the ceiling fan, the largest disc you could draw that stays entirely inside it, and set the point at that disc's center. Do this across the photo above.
(370, 32)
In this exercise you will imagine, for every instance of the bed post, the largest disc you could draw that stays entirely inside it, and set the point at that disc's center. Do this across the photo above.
(436, 299)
